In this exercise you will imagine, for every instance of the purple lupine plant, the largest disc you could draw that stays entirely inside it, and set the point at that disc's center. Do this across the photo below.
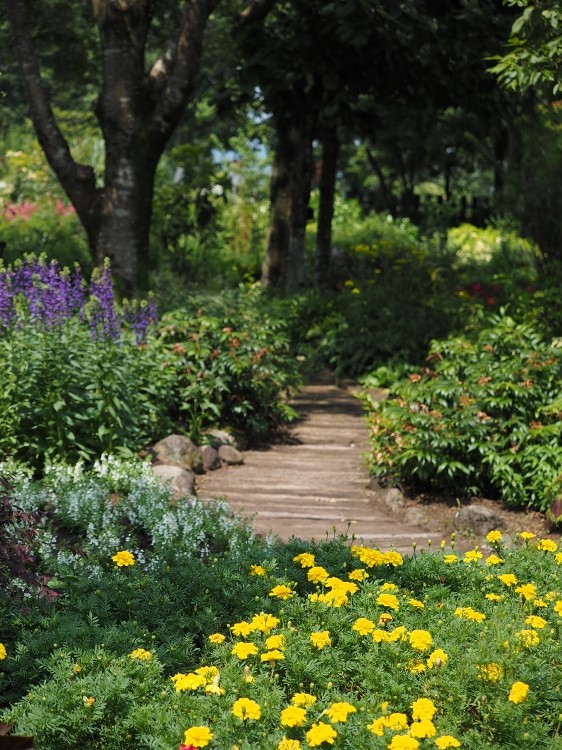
(141, 317)
(103, 318)
(52, 295)
(7, 312)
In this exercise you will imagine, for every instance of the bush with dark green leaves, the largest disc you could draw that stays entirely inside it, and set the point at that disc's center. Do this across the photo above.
(484, 417)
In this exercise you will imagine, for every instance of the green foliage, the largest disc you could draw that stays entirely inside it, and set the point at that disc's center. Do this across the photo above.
(65, 395)
(232, 363)
(435, 626)
(484, 418)
(46, 229)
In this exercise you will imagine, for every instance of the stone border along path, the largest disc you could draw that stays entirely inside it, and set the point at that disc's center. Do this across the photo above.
(315, 483)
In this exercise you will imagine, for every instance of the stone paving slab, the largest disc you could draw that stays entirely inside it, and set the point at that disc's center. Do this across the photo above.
(315, 484)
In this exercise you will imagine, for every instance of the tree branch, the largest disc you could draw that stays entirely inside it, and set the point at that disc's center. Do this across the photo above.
(77, 180)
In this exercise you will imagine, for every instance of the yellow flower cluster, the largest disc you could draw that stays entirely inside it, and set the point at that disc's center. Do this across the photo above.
(3, 652)
(375, 624)
(141, 654)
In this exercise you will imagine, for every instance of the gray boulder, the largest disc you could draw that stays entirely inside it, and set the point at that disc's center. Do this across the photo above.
(230, 455)
(182, 482)
(179, 450)
(478, 519)
(211, 460)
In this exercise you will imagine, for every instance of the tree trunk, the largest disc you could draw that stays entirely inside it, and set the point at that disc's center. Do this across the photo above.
(322, 260)
(138, 111)
(291, 177)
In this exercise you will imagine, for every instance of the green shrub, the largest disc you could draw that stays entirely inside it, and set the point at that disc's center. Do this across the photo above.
(232, 362)
(484, 418)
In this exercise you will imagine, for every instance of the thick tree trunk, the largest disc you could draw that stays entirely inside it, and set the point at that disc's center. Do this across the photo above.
(291, 177)
(323, 255)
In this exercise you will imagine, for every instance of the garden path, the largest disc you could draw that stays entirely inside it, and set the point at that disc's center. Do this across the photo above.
(315, 483)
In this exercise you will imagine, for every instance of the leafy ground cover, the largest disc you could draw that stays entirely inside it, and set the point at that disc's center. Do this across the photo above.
(258, 645)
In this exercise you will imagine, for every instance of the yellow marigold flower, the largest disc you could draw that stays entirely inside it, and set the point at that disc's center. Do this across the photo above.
(3, 652)
(358, 575)
(245, 709)
(558, 558)
(551, 596)
(518, 692)
(403, 742)
(547, 545)
(493, 560)
(209, 673)
(305, 560)
(198, 736)
(242, 650)
(217, 638)
(528, 637)
(275, 641)
(303, 699)
(416, 667)
(140, 654)
(450, 559)
(526, 535)
(317, 574)
(286, 744)
(242, 629)
(282, 592)
(558, 607)
(389, 586)
(319, 733)
(393, 558)
(468, 613)
(293, 716)
(388, 600)
(257, 570)
(385, 618)
(508, 579)
(248, 677)
(88, 702)
(423, 709)
(398, 634)
(397, 721)
(527, 590)
(538, 602)
(380, 636)
(189, 681)
(123, 559)
(346, 586)
(420, 640)
(363, 626)
(421, 729)
(369, 557)
(416, 604)
(265, 623)
(334, 598)
(494, 597)
(490, 672)
(274, 655)
(338, 712)
(446, 741)
(320, 639)
(377, 726)
(494, 536)
(534, 621)
(472, 555)
(437, 658)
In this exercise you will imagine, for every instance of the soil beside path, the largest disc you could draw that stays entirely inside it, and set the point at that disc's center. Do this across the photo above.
(316, 484)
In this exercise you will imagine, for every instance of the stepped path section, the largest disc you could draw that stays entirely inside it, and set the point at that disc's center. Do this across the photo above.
(315, 483)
